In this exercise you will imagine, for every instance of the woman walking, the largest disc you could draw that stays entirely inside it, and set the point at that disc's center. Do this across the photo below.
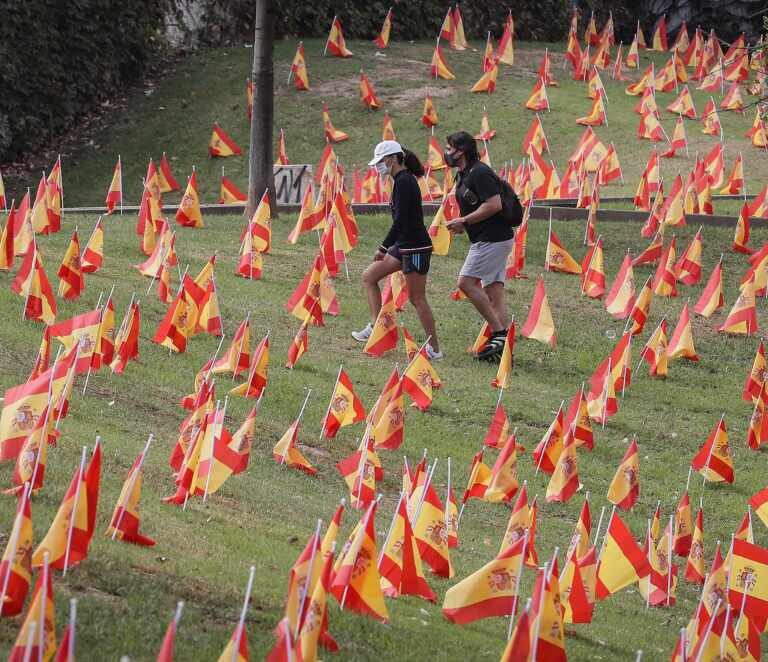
(407, 246)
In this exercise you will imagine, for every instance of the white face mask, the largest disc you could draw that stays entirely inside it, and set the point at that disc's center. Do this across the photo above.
(382, 168)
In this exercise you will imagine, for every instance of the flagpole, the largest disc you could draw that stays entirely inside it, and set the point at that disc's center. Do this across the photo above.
(602, 547)
(517, 584)
(358, 484)
(535, 642)
(73, 512)
(390, 530)
(709, 456)
(43, 601)
(648, 558)
(427, 483)
(308, 579)
(448, 499)
(213, 445)
(669, 560)
(134, 478)
(328, 410)
(328, 38)
(298, 418)
(72, 624)
(14, 542)
(549, 240)
(244, 611)
(246, 327)
(30, 638)
(362, 529)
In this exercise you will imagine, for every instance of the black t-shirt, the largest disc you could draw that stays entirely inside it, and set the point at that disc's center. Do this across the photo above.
(481, 181)
(407, 230)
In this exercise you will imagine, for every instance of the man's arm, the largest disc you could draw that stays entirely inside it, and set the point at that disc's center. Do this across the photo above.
(487, 209)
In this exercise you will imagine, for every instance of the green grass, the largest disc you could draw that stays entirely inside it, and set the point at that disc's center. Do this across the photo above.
(127, 594)
(176, 116)
(264, 516)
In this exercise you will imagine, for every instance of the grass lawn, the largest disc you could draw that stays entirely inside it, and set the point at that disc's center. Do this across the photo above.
(127, 594)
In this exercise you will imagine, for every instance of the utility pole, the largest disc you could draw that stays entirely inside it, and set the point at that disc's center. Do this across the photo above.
(260, 175)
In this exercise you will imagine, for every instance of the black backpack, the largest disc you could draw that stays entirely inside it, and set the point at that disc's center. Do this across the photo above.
(511, 209)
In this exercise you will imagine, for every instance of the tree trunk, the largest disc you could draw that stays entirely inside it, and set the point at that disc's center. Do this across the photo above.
(260, 175)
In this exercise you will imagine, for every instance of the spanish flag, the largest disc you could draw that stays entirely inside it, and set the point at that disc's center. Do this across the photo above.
(125, 521)
(621, 295)
(431, 530)
(504, 483)
(335, 42)
(535, 137)
(546, 631)
(368, 94)
(694, 566)
(742, 320)
(577, 423)
(221, 144)
(285, 451)
(188, 213)
(361, 470)
(429, 116)
(127, 339)
(565, 478)
(622, 562)
(400, 565)
(69, 536)
(420, 379)
(683, 104)
(582, 532)
(713, 461)
(314, 627)
(522, 520)
(548, 450)
(683, 526)
(32, 283)
(71, 281)
(711, 298)
(479, 478)
(332, 134)
(254, 385)
(487, 82)
(357, 583)
(539, 324)
(624, 489)
(558, 258)
(345, 407)
(299, 69)
(538, 99)
(92, 258)
(498, 430)
(299, 345)
(681, 344)
(578, 603)
(489, 591)
(115, 191)
(593, 283)
(15, 567)
(41, 608)
(503, 374)
(748, 583)
(438, 67)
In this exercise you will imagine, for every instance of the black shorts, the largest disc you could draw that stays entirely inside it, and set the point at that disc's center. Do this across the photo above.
(418, 262)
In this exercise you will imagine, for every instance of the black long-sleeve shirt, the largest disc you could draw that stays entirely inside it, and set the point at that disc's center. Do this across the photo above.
(407, 230)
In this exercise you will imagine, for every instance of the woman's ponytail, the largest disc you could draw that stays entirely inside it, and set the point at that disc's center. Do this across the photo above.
(412, 163)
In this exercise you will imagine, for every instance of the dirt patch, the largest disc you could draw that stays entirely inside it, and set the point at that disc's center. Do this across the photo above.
(336, 88)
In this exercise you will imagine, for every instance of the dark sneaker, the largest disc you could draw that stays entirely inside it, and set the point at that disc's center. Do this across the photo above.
(493, 348)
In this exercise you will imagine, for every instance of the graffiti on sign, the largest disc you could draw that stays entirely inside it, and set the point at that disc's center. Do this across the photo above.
(290, 183)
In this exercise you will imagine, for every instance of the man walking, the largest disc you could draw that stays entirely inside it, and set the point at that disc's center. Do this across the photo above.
(481, 278)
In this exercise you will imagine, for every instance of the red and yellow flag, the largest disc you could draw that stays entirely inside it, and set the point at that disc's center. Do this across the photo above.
(299, 69)
(565, 478)
(126, 519)
(548, 450)
(622, 562)
(221, 144)
(345, 407)
(32, 284)
(189, 214)
(504, 483)
(748, 585)
(335, 43)
(504, 373)
(624, 489)
(681, 343)
(16, 562)
(479, 478)
(711, 298)
(539, 324)
(368, 94)
(714, 461)
(285, 451)
(694, 566)
(115, 191)
(742, 320)
(357, 583)
(489, 591)
(39, 625)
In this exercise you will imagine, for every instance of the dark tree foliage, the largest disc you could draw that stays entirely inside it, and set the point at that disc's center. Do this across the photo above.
(57, 59)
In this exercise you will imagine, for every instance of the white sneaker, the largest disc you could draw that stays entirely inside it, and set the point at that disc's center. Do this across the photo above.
(433, 355)
(364, 334)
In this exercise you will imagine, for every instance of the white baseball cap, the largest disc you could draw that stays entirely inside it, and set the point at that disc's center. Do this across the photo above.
(385, 148)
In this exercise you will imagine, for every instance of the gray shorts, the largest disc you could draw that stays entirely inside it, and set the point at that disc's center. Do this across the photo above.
(487, 261)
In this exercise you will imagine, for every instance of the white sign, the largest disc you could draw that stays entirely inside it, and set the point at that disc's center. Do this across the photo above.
(291, 181)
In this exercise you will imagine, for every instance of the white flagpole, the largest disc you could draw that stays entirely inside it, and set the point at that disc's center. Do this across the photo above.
(43, 600)
(72, 626)
(241, 622)
(308, 581)
(73, 512)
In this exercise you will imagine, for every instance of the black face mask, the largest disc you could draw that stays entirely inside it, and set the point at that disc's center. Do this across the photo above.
(451, 160)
